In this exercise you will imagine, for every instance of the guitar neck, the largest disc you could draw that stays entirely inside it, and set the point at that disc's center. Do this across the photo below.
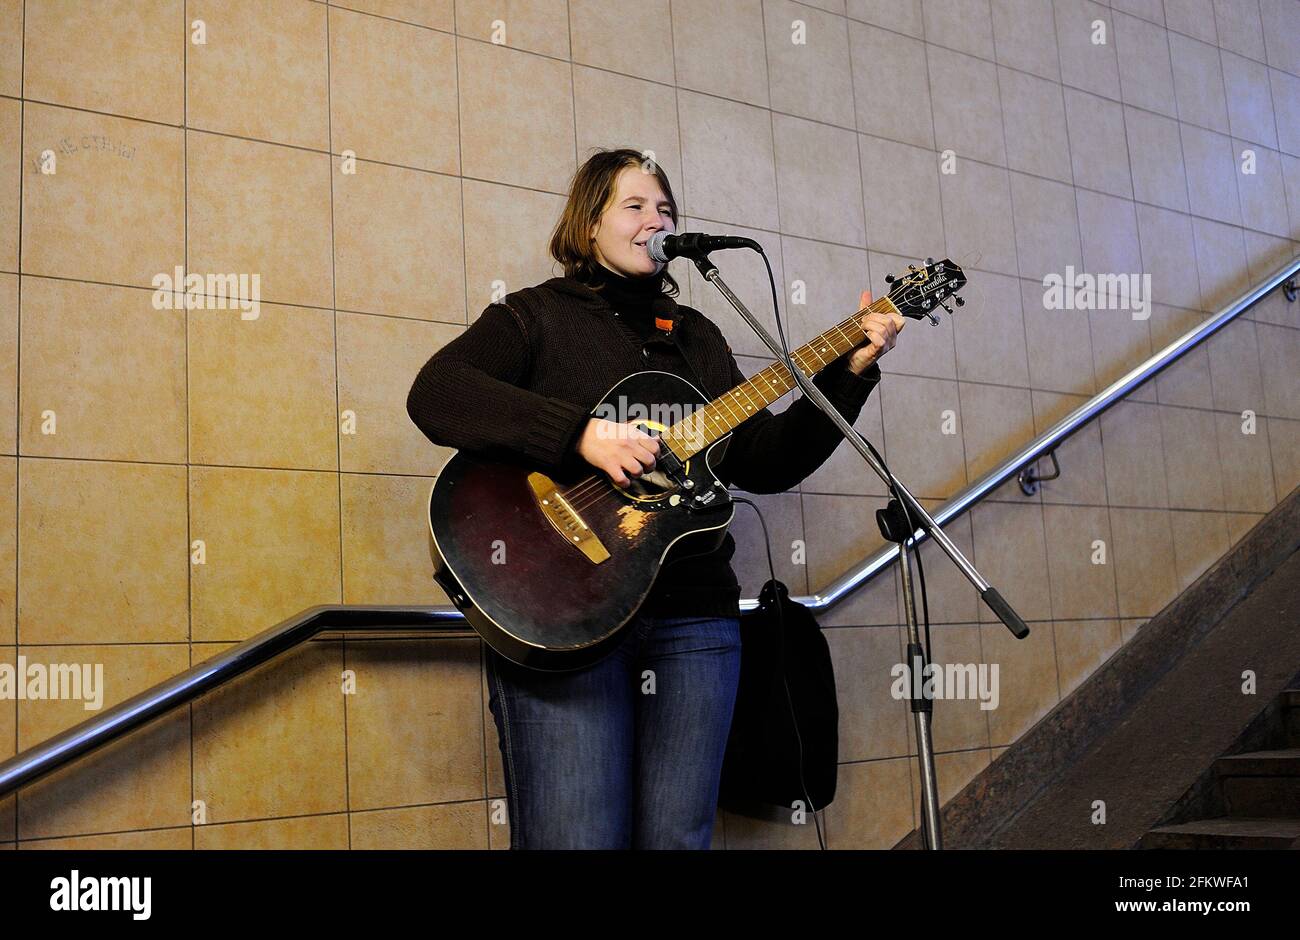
(723, 415)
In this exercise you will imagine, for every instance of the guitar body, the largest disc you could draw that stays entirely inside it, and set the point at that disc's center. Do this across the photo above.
(549, 572)
(503, 541)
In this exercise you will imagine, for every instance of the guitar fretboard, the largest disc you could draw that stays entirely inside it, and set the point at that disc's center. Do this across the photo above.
(723, 415)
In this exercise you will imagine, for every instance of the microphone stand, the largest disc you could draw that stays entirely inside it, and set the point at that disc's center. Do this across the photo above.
(894, 527)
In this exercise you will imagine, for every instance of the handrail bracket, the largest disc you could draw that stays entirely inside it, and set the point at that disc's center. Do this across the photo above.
(1029, 477)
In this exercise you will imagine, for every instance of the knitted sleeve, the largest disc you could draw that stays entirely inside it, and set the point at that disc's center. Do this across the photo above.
(771, 453)
(468, 396)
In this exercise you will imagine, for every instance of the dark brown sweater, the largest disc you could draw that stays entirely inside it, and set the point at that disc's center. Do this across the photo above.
(524, 377)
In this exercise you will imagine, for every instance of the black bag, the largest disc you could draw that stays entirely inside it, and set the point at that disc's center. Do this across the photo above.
(782, 647)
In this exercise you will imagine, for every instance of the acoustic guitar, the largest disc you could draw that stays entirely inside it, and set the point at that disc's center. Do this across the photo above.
(550, 573)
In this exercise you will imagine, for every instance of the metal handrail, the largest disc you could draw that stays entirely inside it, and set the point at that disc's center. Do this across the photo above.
(379, 621)
(835, 592)
(383, 621)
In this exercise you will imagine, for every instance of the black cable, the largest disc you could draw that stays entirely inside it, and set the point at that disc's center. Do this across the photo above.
(780, 619)
(902, 547)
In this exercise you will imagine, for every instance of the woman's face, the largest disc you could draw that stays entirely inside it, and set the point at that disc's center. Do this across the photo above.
(639, 209)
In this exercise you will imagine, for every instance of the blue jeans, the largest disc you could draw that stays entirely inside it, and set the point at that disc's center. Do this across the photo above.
(626, 753)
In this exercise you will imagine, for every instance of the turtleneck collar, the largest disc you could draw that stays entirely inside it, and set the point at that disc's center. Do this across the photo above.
(611, 283)
(641, 298)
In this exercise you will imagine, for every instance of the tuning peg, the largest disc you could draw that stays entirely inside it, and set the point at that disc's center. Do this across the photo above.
(959, 302)
(911, 267)
(889, 278)
(929, 261)
(946, 307)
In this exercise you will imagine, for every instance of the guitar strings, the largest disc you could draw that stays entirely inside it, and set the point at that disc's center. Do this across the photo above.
(595, 481)
(576, 495)
(605, 488)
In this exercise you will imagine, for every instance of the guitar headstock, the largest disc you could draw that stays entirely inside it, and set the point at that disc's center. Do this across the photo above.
(920, 290)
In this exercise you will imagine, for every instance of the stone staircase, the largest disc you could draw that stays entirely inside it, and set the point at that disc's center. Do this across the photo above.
(1165, 736)
(1247, 800)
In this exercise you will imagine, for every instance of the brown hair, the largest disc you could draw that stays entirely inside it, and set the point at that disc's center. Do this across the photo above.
(590, 193)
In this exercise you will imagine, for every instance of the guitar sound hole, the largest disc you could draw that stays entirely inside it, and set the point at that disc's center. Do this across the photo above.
(651, 486)
(655, 485)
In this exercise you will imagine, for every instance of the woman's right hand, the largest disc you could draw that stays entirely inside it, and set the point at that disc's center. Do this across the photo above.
(620, 450)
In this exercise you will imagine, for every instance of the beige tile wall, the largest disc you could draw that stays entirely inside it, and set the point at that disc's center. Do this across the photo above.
(382, 165)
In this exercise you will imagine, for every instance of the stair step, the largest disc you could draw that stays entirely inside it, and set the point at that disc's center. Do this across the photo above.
(1283, 762)
(1261, 796)
(1260, 783)
(1291, 715)
(1226, 832)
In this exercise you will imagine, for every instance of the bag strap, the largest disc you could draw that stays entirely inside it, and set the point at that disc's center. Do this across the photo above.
(773, 591)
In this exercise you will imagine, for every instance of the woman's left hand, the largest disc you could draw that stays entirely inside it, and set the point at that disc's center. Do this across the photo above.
(882, 331)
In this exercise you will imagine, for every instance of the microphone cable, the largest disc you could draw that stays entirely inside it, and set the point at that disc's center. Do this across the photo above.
(788, 362)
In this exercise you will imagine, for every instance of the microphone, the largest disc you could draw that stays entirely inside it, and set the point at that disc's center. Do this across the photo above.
(663, 247)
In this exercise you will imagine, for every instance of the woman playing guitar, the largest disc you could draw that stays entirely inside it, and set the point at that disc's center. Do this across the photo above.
(625, 753)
